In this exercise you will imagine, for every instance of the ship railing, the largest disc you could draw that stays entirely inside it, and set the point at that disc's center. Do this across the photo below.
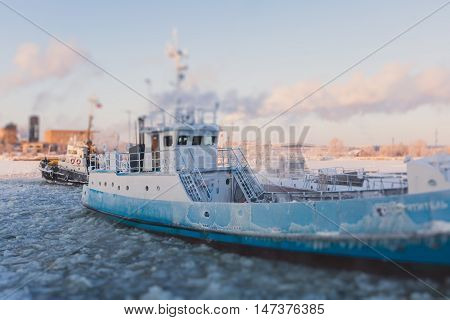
(124, 162)
(387, 181)
(285, 196)
(328, 180)
(153, 161)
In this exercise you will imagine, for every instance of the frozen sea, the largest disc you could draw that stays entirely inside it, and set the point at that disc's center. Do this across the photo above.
(51, 247)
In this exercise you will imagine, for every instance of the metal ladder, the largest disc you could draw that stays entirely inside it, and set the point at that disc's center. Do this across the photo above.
(201, 185)
(249, 184)
(195, 185)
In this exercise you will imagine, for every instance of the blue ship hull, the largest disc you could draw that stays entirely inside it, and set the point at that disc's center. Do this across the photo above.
(405, 228)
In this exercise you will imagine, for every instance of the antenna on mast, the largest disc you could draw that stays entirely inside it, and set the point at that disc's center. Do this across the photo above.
(177, 54)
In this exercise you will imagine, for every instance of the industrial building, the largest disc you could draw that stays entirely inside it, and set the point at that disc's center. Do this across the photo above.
(33, 133)
(8, 135)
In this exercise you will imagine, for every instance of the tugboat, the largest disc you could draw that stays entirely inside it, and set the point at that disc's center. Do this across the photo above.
(73, 169)
(178, 182)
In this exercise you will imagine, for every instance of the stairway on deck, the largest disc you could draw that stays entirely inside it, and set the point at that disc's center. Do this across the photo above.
(198, 191)
(246, 179)
(194, 185)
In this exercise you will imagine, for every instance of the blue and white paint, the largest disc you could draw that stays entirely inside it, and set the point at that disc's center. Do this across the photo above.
(404, 228)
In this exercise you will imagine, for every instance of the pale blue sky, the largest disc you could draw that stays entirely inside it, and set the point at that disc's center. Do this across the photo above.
(247, 46)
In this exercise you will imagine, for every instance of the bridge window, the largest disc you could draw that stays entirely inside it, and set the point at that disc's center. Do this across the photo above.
(197, 140)
(182, 140)
(210, 140)
(168, 141)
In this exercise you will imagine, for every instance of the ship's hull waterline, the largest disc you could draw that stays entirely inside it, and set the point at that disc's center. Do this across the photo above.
(404, 228)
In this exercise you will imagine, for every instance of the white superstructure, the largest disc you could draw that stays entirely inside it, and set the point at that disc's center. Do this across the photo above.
(429, 174)
(177, 162)
(75, 158)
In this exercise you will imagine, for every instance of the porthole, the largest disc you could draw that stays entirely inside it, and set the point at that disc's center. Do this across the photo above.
(99, 183)
(92, 182)
(206, 214)
(227, 181)
(112, 184)
(118, 187)
(146, 188)
(158, 188)
(105, 184)
(432, 183)
(127, 187)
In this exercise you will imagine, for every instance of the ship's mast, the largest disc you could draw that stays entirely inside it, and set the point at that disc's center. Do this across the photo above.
(179, 57)
(177, 54)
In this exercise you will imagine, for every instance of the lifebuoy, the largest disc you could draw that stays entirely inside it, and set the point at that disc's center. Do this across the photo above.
(72, 161)
(78, 161)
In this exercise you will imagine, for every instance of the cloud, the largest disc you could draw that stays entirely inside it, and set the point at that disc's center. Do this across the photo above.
(394, 89)
(34, 64)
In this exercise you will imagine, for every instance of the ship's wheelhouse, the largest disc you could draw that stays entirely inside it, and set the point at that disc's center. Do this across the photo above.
(182, 146)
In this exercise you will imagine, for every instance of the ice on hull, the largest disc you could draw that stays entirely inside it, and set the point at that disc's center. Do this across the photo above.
(405, 229)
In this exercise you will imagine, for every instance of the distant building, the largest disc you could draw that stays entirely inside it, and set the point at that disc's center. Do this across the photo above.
(33, 134)
(8, 135)
(64, 137)
(33, 147)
